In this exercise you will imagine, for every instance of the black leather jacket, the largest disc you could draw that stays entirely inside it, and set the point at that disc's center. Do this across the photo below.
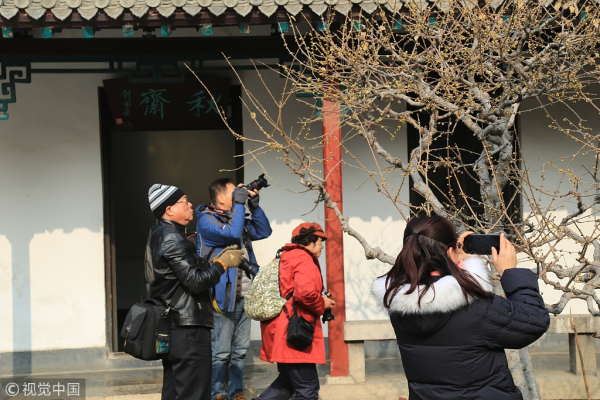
(170, 262)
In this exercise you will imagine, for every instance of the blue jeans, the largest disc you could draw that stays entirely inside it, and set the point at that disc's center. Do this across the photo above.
(230, 343)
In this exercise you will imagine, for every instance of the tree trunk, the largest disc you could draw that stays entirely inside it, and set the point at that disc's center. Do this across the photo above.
(519, 363)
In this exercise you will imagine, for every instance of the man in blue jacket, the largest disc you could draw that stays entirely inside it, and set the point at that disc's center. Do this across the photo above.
(222, 223)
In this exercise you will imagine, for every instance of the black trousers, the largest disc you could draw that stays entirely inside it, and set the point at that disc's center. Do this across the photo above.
(301, 379)
(188, 370)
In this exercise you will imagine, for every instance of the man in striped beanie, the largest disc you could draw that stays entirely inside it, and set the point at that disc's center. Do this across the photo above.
(163, 196)
(175, 274)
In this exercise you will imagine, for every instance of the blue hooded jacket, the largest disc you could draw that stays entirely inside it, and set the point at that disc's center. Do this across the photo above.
(218, 230)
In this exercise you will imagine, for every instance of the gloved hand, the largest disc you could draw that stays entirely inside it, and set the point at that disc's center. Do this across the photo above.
(240, 195)
(248, 268)
(253, 201)
(230, 257)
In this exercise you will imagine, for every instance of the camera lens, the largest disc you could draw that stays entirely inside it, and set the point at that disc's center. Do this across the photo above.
(328, 315)
(258, 184)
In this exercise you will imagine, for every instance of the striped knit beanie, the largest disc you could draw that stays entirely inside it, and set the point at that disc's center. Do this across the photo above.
(163, 196)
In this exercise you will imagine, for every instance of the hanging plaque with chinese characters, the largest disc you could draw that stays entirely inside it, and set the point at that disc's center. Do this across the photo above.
(167, 106)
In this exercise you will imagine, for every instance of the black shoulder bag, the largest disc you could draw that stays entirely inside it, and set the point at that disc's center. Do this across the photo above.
(147, 328)
(300, 332)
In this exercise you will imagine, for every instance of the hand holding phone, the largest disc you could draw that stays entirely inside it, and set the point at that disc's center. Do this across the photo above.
(459, 253)
(482, 244)
(507, 258)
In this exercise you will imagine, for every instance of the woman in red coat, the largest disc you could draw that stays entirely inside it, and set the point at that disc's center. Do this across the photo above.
(299, 277)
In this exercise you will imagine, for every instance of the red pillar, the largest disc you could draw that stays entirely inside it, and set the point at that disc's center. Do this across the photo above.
(334, 247)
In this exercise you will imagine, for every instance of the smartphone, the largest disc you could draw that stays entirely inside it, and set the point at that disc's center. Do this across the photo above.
(482, 244)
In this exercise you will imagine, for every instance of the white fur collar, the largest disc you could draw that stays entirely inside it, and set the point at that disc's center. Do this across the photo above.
(448, 294)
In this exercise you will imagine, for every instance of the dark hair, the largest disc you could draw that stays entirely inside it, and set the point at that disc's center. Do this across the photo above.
(216, 188)
(306, 237)
(425, 250)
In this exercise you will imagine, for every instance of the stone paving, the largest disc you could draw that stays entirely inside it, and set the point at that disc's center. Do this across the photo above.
(385, 380)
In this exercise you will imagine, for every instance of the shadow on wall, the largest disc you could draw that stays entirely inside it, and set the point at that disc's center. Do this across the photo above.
(360, 272)
(51, 186)
(371, 214)
(45, 195)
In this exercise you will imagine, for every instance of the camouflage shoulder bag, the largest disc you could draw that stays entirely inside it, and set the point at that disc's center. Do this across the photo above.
(263, 299)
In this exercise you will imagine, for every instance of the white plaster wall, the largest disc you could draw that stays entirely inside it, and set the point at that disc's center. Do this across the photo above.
(542, 144)
(372, 215)
(375, 217)
(51, 238)
(6, 289)
(282, 202)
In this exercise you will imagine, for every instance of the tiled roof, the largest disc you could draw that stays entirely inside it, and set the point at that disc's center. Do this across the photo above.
(88, 9)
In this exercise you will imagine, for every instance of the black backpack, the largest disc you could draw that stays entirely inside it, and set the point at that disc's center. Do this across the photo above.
(147, 328)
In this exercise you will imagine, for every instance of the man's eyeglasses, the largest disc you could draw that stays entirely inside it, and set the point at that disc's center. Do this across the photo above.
(186, 201)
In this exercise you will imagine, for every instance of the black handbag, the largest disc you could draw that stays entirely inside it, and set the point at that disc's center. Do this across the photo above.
(147, 328)
(300, 332)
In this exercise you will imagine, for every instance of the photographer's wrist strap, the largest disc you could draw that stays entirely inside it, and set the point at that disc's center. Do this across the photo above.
(246, 242)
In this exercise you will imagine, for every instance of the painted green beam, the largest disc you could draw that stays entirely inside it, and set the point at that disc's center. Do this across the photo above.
(133, 49)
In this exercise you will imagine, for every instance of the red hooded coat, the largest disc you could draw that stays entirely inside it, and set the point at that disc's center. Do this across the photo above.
(299, 271)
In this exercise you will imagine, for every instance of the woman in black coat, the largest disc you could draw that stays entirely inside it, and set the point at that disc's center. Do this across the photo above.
(451, 329)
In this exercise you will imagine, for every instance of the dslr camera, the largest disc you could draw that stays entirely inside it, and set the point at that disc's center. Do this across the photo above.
(248, 268)
(258, 184)
(328, 315)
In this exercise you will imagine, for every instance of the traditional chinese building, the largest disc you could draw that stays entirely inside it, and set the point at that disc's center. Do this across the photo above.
(97, 104)
(120, 110)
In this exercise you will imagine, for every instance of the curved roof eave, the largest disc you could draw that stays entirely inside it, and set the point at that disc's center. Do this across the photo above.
(91, 10)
